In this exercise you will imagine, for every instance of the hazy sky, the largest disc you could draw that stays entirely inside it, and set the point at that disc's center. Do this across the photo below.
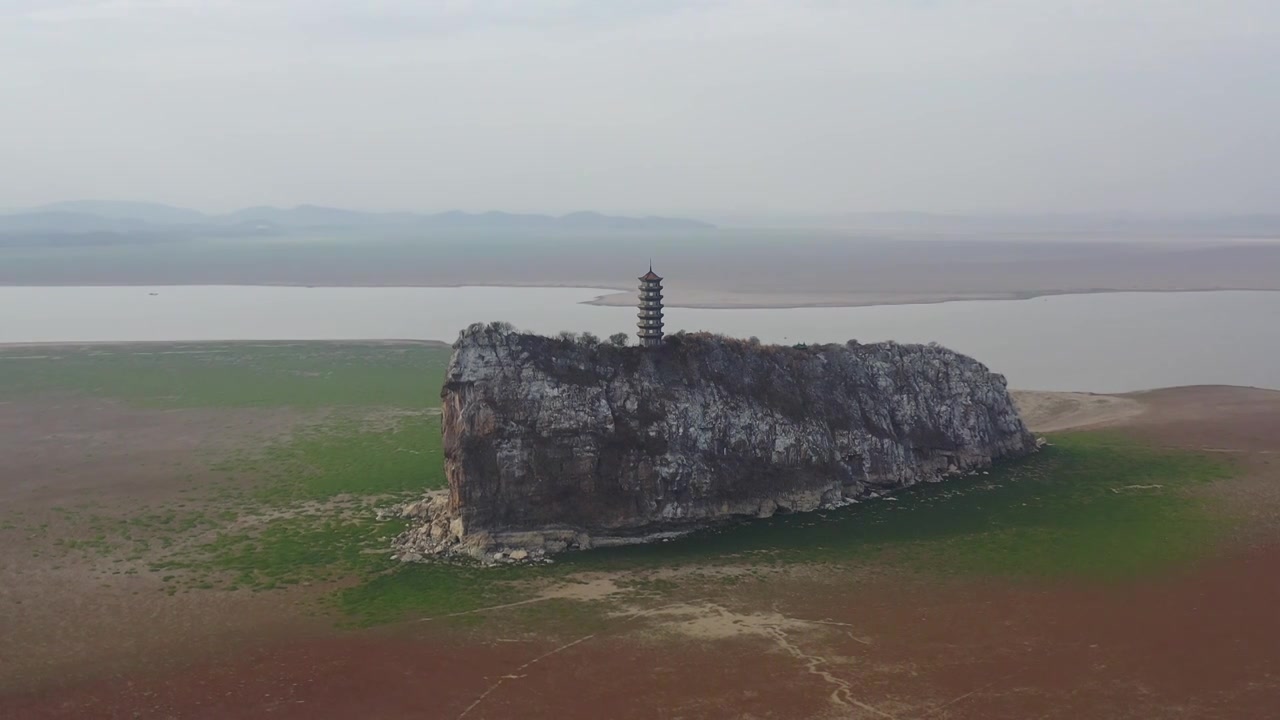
(629, 106)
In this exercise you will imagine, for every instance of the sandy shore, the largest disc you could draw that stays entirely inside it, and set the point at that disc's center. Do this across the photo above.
(722, 300)
(1055, 411)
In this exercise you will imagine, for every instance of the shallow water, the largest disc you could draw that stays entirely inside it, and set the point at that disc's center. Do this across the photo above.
(1106, 342)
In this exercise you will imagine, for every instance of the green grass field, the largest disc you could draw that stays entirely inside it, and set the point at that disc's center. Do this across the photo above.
(1083, 508)
(300, 509)
(298, 375)
(1086, 506)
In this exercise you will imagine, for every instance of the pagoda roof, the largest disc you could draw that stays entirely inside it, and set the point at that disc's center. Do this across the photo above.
(651, 275)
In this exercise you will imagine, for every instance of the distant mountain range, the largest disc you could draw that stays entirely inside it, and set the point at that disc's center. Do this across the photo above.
(143, 220)
(1119, 224)
(93, 222)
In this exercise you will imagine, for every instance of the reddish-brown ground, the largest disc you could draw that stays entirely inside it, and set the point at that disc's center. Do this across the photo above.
(1202, 642)
(68, 614)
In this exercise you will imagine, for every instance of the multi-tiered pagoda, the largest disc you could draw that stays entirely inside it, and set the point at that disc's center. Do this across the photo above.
(650, 323)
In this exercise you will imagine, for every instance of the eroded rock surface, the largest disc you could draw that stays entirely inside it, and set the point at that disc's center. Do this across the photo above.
(551, 443)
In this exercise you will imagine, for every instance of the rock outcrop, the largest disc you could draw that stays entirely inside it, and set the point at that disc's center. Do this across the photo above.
(552, 443)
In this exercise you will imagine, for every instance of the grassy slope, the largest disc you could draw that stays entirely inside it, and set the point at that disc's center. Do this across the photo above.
(1093, 505)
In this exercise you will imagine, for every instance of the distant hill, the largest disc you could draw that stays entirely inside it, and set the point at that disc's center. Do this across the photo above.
(1119, 224)
(116, 210)
(318, 216)
(65, 222)
(301, 216)
(151, 219)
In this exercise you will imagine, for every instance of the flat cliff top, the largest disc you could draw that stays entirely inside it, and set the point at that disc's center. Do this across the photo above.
(693, 356)
(570, 434)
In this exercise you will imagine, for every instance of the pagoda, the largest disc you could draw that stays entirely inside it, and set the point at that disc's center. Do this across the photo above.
(650, 324)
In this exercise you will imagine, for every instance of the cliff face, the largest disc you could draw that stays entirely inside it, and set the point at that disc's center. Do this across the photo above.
(551, 443)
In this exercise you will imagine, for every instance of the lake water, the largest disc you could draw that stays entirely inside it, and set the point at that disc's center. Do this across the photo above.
(1112, 342)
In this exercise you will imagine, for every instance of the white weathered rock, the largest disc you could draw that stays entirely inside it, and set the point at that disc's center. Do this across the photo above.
(554, 445)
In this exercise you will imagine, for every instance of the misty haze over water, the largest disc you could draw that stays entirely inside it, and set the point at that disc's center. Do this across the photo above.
(1110, 342)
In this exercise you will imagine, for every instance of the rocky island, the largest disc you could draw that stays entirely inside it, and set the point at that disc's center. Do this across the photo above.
(558, 443)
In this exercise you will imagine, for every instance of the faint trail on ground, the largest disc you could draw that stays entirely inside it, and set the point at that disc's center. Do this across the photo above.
(842, 695)
(594, 589)
(814, 664)
(513, 675)
(482, 609)
(1003, 679)
(975, 691)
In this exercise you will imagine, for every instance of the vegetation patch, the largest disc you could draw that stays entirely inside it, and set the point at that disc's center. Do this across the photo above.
(1093, 504)
(344, 457)
(307, 512)
(300, 375)
(293, 550)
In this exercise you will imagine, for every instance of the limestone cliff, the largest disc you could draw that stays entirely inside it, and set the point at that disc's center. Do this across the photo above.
(551, 443)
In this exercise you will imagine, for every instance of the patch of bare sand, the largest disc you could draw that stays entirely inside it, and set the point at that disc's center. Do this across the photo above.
(710, 621)
(1057, 411)
(725, 299)
(714, 622)
(586, 587)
